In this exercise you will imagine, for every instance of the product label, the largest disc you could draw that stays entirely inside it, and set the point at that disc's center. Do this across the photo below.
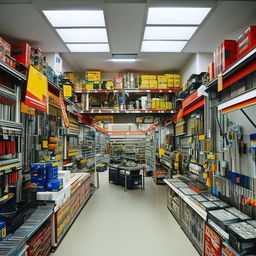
(212, 242)
(227, 251)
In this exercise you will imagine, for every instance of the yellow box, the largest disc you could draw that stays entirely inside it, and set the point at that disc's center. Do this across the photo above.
(152, 77)
(170, 83)
(162, 78)
(162, 105)
(169, 76)
(110, 85)
(162, 85)
(176, 76)
(153, 84)
(176, 83)
(93, 76)
(144, 77)
(168, 105)
(155, 103)
(89, 86)
(144, 84)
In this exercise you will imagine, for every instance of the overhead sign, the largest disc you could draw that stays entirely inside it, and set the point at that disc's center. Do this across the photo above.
(27, 109)
(37, 90)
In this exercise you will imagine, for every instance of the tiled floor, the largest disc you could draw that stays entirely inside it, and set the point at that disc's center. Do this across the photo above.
(118, 223)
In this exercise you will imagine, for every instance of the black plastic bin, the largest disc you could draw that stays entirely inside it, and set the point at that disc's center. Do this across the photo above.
(113, 174)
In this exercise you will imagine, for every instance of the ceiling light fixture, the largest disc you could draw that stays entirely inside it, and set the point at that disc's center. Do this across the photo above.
(75, 18)
(162, 46)
(83, 35)
(169, 33)
(123, 60)
(177, 15)
(88, 47)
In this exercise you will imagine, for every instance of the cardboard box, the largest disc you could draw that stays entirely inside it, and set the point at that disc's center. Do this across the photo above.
(119, 82)
(168, 105)
(153, 84)
(89, 86)
(246, 41)
(162, 85)
(155, 103)
(93, 76)
(21, 52)
(210, 70)
(162, 78)
(224, 56)
(176, 83)
(169, 76)
(148, 77)
(144, 84)
(5, 49)
(176, 76)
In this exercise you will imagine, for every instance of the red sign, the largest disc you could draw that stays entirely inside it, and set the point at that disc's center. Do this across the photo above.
(212, 242)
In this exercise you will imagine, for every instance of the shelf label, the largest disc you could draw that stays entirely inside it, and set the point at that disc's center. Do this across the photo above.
(220, 82)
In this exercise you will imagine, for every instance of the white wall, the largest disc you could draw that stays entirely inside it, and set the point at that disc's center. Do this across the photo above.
(196, 64)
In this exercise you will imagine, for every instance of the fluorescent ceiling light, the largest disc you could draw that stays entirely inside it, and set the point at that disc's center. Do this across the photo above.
(123, 60)
(88, 47)
(83, 35)
(162, 46)
(177, 15)
(75, 18)
(169, 33)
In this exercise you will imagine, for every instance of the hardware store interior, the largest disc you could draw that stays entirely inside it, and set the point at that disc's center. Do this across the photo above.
(127, 127)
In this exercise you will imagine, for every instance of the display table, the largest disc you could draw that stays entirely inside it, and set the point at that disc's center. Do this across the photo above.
(132, 171)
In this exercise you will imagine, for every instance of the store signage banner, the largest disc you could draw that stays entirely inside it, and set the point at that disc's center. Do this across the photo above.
(37, 90)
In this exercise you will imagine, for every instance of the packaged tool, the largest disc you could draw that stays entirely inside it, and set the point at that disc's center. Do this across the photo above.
(2, 230)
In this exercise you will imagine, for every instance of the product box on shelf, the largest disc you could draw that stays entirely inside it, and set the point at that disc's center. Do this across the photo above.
(170, 83)
(153, 84)
(212, 242)
(10, 61)
(224, 56)
(210, 70)
(144, 84)
(93, 76)
(246, 41)
(2, 230)
(21, 52)
(119, 82)
(5, 49)
(55, 184)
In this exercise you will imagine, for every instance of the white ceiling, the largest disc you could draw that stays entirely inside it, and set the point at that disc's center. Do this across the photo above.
(23, 20)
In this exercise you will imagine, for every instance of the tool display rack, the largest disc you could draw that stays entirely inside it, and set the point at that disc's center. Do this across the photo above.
(132, 148)
(150, 152)
(238, 88)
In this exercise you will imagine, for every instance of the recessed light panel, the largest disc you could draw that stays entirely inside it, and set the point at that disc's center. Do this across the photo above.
(123, 60)
(83, 35)
(88, 47)
(169, 33)
(75, 18)
(177, 15)
(162, 46)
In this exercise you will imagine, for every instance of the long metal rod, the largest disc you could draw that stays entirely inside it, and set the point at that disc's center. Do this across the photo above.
(250, 120)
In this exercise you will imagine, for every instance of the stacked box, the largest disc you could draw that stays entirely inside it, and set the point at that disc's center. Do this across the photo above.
(224, 56)
(2, 230)
(246, 42)
(55, 184)
(152, 84)
(162, 82)
(22, 53)
(119, 82)
(176, 81)
(93, 76)
(5, 49)
(52, 169)
(210, 70)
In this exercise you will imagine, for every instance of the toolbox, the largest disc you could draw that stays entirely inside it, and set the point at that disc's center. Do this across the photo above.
(238, 213)
(21, 52)
(242, 237)
(55, 184)
(246, 41)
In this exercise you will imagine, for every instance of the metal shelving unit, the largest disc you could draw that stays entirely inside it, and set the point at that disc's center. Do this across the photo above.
(130, 91)
(127, 111)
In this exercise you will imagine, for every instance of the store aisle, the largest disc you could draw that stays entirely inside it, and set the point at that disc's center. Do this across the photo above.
(135, 222)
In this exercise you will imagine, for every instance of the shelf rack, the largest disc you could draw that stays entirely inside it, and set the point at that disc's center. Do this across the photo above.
(127, 111)
(130, 91)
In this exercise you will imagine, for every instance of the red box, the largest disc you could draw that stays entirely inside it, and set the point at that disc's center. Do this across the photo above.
(224, 55)
(246, 42)
(21, 52)
(211, 70)
(10, 61)
(5, 49)
(212, 242)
